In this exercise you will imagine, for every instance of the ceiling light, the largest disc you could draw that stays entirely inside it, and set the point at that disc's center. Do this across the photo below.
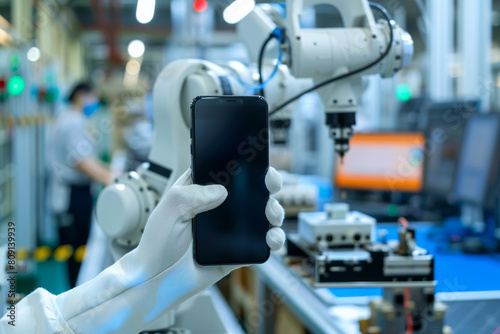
(145, 11)
(136, 48)
(33, 54)
(238, 10)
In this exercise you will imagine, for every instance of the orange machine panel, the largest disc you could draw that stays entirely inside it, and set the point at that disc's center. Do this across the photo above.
(382, 161)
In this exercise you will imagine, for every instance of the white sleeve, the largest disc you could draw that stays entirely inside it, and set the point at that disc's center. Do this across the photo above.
(37, 313)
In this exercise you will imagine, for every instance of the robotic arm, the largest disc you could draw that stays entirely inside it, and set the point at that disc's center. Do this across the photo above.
(342, 56)
(123, 208)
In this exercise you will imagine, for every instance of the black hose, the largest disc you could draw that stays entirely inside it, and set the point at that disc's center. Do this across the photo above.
(261, 59)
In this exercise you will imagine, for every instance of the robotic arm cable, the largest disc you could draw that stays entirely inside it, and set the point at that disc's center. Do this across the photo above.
(261, 58)
(276, 33)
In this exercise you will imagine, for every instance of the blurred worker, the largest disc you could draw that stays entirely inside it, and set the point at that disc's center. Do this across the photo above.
(73, 167)
(147, 282)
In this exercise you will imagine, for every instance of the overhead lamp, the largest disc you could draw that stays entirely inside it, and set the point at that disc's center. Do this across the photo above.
(136, 48)
(33, 54)
(145, 11)
(238, 10)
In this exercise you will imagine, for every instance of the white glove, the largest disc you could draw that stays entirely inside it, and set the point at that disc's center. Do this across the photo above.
(160, 273)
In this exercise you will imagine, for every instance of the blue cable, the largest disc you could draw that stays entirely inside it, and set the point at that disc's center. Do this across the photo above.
(277, 34)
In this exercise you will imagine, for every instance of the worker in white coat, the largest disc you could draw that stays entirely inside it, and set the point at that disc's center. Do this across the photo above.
(73, 167)
(146, 283)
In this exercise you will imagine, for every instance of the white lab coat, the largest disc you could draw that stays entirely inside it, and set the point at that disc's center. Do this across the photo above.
(37, 313)
(123, 299)
(147, 282)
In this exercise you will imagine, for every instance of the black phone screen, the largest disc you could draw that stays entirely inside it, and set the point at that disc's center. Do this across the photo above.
(230, 147)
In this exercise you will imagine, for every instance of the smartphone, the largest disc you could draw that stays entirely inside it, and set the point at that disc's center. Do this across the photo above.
(230, 146)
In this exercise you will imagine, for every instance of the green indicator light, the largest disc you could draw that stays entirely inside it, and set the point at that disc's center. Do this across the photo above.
(14, 62)
(392, 210)
(51, 95)
(403, 93)
(15, 86)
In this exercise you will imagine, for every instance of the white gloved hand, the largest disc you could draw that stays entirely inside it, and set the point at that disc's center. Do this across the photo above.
(161, 272)
(168, 233)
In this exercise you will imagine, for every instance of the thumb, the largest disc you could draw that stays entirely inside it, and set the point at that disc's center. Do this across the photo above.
(192, 199)
(184, 179)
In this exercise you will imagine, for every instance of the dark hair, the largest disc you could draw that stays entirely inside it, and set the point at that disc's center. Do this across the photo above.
(82, 87)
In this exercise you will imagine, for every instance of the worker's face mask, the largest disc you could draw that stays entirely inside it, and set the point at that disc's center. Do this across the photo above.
(90, 106)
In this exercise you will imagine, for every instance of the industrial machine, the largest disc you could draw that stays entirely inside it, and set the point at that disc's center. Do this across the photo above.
(335, 59)
(338, 248)
(368, 47)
